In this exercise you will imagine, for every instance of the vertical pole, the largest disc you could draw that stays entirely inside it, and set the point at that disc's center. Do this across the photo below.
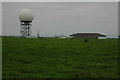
(28, 29)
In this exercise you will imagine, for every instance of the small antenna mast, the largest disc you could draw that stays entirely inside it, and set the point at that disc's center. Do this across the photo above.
(38, 34)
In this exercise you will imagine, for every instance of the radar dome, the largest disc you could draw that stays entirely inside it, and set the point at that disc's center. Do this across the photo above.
(26, 15)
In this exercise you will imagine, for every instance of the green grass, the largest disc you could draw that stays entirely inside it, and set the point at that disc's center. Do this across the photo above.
(59, 58)
(0, 57)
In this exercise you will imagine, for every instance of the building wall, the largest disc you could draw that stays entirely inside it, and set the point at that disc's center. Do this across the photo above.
(95, 37)
(101, 37)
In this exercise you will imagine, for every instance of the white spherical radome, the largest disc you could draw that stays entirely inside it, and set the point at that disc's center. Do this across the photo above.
(26, 15)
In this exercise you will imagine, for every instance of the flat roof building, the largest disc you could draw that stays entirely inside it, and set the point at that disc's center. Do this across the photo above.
(87, 35)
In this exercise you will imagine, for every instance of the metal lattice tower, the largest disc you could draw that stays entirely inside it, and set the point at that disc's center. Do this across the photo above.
(25, 28)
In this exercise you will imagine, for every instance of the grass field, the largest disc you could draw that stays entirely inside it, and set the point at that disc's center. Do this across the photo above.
(59, 58)
(0, 57)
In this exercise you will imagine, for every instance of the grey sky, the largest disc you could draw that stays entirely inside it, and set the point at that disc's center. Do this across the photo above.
(0, 18)
(55, 18)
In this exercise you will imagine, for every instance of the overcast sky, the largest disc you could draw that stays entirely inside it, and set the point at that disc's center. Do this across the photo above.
(55, 18)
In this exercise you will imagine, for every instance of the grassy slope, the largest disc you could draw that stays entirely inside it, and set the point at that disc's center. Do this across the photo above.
(55, 58)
